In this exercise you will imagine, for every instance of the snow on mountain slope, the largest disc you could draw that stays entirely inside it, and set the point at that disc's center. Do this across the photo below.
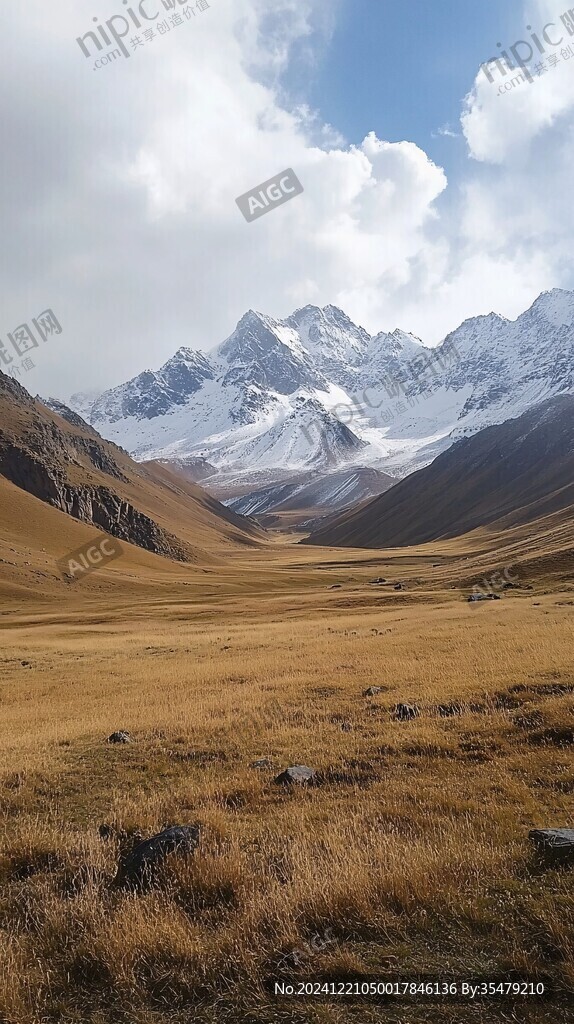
(310, 491)
(316, 392)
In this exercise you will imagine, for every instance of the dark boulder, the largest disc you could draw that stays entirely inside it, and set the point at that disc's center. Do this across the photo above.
(140, 865)
(120, 737)
(555, 845)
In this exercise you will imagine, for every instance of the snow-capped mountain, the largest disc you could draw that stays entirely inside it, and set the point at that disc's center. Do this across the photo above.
(338, 490)
(316, 392)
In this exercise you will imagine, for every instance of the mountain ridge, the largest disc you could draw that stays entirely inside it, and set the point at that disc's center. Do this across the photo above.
(274, 397)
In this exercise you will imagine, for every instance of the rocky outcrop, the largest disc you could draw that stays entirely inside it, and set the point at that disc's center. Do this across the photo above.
(96, 505)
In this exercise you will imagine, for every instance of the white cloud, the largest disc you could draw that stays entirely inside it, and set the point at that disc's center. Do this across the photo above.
(505, 111)
(120, 185)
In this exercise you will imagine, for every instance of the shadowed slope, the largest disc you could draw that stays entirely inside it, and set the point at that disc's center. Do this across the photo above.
(508, 475)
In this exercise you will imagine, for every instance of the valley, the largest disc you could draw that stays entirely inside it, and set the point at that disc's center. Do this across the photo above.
(359, 750)
(411, 855)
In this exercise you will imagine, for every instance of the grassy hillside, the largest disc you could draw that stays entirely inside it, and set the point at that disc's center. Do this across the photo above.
(410, 856)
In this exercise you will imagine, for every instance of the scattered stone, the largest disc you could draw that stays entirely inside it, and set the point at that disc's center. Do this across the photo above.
(139, 866)
(406, 712)
(336, 586)
(263, 763)
(483, 597)
(372, 691)
(378, 582)
(398, 586)
(556, 844)
(120, 737)
(297, 775)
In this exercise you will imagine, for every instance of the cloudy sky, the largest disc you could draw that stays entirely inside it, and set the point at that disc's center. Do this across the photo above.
(431, 194)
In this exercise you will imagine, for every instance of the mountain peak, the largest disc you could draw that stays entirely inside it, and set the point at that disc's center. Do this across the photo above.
(408, 402)
(556, 306)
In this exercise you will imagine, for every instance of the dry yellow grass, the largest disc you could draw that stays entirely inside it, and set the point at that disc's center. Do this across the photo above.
(411, 856)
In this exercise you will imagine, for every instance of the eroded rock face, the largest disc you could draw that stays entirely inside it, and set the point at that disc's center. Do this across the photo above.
(64, 467)
(96, 505)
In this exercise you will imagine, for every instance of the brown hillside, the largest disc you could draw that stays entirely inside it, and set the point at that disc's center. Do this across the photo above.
(60, 482)
(506, 475)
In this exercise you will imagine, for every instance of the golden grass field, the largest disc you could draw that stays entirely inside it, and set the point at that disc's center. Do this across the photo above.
(411, 856)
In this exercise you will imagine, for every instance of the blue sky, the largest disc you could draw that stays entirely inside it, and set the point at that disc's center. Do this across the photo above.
(402, 69)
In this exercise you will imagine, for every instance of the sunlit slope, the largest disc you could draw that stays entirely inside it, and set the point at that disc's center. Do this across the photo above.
(66, 464)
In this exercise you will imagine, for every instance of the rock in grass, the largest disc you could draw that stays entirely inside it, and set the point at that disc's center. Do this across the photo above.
(556, 844)
(372, 691)
(297, 775)
(140, 865)
(263, 763)
(405, 712)
(120, 737)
